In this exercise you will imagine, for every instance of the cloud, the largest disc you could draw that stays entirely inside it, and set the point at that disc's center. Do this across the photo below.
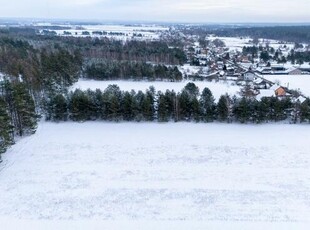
(162, 10)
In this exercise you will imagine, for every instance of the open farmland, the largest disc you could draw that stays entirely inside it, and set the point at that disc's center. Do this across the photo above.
(170, 175)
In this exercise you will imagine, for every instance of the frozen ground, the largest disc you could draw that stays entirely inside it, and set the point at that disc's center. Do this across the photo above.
(296, 82)
(234, 43)
(217, 89)
(148, 32)
(157, 176)
(237, 43)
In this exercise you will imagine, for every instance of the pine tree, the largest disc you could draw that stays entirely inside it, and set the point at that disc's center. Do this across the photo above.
(305, 111)
(244, 110)
(24, 113)
(162, 108)
(223, 108)
(58, 108)
(6, 128)
(184, 103)
(207, 105)
(148, 105)
(112, 97)
(79, 106)
(127, 106)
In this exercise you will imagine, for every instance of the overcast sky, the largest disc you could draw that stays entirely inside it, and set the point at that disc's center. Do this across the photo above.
(161, 10)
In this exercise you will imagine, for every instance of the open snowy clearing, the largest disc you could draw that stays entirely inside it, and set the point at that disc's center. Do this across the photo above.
(147, 31)
(237, 43)
(157, 176)
(217, 89)
(296, 82)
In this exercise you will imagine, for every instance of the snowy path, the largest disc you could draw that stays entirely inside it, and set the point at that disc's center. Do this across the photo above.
(181, 175)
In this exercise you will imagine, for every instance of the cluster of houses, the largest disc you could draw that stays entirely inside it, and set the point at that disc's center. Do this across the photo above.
(223, 64)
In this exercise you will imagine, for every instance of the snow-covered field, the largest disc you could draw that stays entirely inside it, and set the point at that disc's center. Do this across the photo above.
(148, 32)
(237, 43)
(234, 43)
(296, 82)
(157, 176)
(217, 89)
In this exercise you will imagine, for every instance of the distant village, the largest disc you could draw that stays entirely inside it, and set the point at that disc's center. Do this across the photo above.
(246, 65)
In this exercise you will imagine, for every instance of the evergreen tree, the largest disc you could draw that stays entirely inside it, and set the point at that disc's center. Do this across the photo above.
(305, 111)
(112, 97)
(58, 108)
(162, 107)
(128, 106)
(139, 101)
(207, 105)
(79, 106)
(223, 108)
(6, 128)
(184, 106)
(245, 110)
(24, 113)
(148, 104)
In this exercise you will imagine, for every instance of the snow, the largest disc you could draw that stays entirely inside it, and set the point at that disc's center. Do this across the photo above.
(237, 43)
(149, 32)
(295, 82)
(265, 93)
(234, 43)
(157, 176)
(1, 76)
(217, 89)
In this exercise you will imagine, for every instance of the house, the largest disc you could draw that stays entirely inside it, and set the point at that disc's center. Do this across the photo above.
(265, 93)
(282, 92)
(249, 76)
(261, 83)
(264, 70)
(294, 71)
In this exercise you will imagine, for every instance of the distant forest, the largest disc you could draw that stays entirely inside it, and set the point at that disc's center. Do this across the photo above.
(298, 34)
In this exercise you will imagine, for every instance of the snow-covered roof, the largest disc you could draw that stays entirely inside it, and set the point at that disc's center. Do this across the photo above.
(265, 93)
(258, 80)
(301, 99)
(275, 87)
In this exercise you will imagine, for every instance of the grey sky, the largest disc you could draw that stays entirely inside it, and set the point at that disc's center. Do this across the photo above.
(161, 10)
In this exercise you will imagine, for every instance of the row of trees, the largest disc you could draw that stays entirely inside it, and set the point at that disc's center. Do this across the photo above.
(40, 68)
(17, 113)
(160, 52)
(110, 70)
(299, 57)
(189, 105)
(298, 34)
(56, 63)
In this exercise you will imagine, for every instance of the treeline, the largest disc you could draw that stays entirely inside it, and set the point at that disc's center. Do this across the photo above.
(298, 34)
(17, 113)
(141, 51)
(57, 62)
(299, 57)
(113, 104)
(111, 70)
(160, 52)
(42, 68)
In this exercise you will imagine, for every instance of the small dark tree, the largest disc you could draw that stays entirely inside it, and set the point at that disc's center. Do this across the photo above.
(223, 108)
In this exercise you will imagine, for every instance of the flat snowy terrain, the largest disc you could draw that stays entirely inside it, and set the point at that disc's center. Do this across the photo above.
(296, 82)
(237, 43)
(217, 89)
(157, 176)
